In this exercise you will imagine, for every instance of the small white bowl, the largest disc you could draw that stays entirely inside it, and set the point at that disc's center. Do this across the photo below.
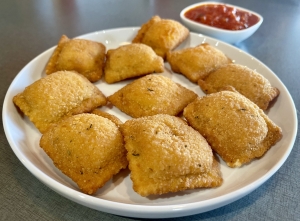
(229, 36)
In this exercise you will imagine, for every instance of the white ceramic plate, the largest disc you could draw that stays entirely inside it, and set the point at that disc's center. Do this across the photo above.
(117, 196)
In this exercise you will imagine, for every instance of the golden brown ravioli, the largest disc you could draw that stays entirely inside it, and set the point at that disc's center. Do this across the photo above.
(59, 95)
(83, 56)
(196, 62)
(249, 83)
(87, 148)
(162, 35)
(132, 60)
(166, 155)
(236, 128)
(150, 95)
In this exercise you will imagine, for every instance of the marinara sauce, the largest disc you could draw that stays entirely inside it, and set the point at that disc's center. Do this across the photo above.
(222, 16)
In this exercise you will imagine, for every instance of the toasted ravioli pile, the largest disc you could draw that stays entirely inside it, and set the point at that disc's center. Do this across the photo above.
(150, 95)
(233, 125)
(166, 155)
(249, 83)
(172, 139)
(83, 56)
(56, 96)
(87, 148)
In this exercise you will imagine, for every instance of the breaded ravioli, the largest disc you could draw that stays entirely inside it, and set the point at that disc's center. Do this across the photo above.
(150, 95)
(166, 155)
(162, 35)
(83, 56)
(236, 128)
(197, 62)
(132, 60)
(87, 148)
(59, 95)
(248, 82)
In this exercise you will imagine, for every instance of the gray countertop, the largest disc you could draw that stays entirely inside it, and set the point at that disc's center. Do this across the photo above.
(27, 28)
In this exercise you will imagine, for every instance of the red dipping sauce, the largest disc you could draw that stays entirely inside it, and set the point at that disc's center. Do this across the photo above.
(222, 16)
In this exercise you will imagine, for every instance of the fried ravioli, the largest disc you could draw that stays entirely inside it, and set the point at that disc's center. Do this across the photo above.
(83, 56)
(132, 60)
(61, 94)
(249, 83)
(197, 62)
(162, 35)
(236, 128)
(87, 148)
(166, 155)
(150, 95)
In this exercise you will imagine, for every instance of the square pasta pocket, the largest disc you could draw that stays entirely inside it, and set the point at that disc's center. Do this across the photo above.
(166, 155)
(150, 95)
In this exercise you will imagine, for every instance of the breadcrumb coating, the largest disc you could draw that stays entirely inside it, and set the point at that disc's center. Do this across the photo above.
(162, 35)
(236, 128)
(56, 96)
(109, 116)
(197, 62)
(83, 56)
(132, 60)
(150, 95)
(248, 82)
(87, 148)
(167, 155)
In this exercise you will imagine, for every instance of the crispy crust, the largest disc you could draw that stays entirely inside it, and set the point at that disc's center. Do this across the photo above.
(51, 65)
(132, 60)
(244, 80)
(150, 95)
(236, 128)
(109, 116)
(162, 35)
(166, 155)
(197, 62)
(87, 148)
(83, 56)
(57, 96)
(144, 28)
